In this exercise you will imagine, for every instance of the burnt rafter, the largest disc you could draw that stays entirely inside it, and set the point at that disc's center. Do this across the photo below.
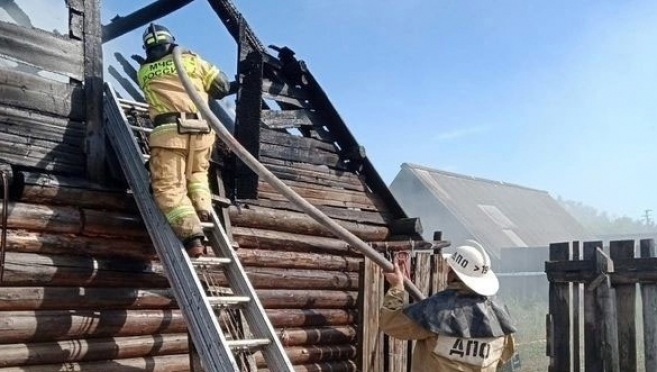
(158, 9)
(302, 91)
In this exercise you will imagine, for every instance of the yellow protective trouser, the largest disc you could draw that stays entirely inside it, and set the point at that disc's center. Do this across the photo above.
(179, 177)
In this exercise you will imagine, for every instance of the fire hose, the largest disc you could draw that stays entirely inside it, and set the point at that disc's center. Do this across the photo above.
(281, 187)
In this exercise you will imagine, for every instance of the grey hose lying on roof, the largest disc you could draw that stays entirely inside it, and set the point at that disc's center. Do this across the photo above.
(281, 187)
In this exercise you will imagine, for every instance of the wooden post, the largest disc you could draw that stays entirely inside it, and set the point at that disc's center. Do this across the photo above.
(649, 301)
(606, 312)
(592, 352)
(625, 309)
(577, 288)
(559, 302)
(93, 87)
(370, 337)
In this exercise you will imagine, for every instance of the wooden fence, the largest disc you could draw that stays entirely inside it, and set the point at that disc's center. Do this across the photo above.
(592, 321)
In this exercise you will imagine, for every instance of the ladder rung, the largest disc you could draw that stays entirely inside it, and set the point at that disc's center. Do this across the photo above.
(223, 202)
(210, 261)
(207, 225)
(141, 129)
(248, 344)
(222, 302)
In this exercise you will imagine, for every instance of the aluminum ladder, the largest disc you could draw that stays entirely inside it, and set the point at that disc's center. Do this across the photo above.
(197, 302)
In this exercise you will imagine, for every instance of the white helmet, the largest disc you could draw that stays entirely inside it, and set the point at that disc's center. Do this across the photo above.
(471, 264)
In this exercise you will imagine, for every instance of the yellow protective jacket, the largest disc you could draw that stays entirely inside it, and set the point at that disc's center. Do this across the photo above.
(435, 352)
(165, 93)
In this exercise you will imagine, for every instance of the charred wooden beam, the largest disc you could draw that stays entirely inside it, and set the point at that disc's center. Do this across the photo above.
(299, 223)
(340, 366)
(315, 354)
(83, 350)
(43, 49)
(321, 195)
(43, 127)
(233, 20)
(122, 25)
(406, 226)
(280, 119)
(317, 336)
(339, 213)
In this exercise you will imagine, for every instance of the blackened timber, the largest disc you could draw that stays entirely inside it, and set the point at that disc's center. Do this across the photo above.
(247, 123)
(346, 140)
(95, 148)
(318, 336)
(315, 354)
(122, 25)
(27, 269)
(42, 49)
(28, 91)
(234, 21)
(47, 163)
(340, 213)
(283, 138)
(314, 173)
(20, 144)
(327, 197)
(301, 155)
(406, 226)
(286, 118)
(39, 126)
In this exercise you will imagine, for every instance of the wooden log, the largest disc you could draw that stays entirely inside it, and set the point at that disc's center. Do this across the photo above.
(40, 188)
(269, 278)
(39, 126)
(317, 196)
(318, 174)
(83, 350)
(406, 226)
(45, 163)
(279, 119)
(84, 298)
(107, 223)
(307, 155)
(306, 299)
(161, 363)
(278, 240)
(297, 260)
(27, 269)
(282, 138)
(270, 219)
(63, 220)
(44, 49)
(23, 241)
(314, 354)
(592, 338)
(341, 366)
(285, 318)
(370, 338)
(339, 213)
(28, 91)
(625, 309)
(44, 326)
(317, 336)
(19, 144)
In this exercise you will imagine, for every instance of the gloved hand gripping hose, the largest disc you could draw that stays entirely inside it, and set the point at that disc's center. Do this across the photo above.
(281, 187)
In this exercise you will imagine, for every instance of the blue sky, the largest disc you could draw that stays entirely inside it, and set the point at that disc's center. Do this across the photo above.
(557, 95)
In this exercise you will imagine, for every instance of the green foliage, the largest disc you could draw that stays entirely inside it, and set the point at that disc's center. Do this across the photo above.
(600, 223)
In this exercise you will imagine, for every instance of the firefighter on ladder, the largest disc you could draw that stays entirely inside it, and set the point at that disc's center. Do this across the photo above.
(181, 142)
(460, 329)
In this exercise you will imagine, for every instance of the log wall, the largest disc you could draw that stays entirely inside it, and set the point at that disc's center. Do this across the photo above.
(82, 285)
(47, 104)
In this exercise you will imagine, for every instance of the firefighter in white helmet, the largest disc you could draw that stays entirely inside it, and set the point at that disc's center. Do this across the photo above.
(462, 328)
(181, 141)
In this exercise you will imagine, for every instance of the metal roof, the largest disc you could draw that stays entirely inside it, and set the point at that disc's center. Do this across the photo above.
(499, 214)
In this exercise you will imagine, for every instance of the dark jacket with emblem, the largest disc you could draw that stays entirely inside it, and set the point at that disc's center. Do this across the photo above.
(455, 329)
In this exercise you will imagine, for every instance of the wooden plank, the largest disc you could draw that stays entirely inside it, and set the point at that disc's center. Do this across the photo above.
(329, 197)
(287, 118)
(31, 124)
(28, 91)
(282, 138)
(592, 338)
(370, 355)
(43, 49)
(649, 303)
(606, 311)
(559, 302)
(46, 163)
(93, 92)
(25, 145)
(345, 180)
(625, 309)
(577, 312)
